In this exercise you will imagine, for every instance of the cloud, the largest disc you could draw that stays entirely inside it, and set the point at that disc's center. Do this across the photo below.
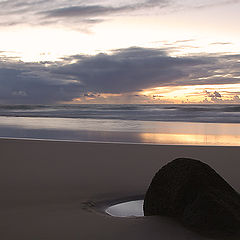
(221, 43)
(213, 95)
(23, 83)
(134, 69)
(208, 4)
(81, 14)
(125, 72)
(19, 93)
(214, 100)
(81, 11)
(217, 94)
(216, 97)
(236, 99)
(53, 12)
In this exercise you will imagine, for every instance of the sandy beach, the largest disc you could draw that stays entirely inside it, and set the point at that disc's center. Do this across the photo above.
(51, 190)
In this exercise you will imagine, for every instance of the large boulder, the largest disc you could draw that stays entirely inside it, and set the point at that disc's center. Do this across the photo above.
(195, 194)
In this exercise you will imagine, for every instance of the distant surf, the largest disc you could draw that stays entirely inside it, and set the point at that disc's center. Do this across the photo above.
(217, 125)
(155, 112)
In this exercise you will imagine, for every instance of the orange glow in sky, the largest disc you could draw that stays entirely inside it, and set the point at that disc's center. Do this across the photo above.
(193, 94)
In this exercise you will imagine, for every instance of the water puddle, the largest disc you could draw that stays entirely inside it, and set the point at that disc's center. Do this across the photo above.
(126, 209)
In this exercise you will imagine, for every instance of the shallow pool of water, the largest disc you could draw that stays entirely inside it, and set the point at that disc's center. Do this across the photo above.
(126, 209)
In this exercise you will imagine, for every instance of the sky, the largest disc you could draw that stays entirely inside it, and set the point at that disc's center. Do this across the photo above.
(119, 51)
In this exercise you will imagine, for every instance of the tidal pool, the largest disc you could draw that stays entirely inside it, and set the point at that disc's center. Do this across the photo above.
(126, 209)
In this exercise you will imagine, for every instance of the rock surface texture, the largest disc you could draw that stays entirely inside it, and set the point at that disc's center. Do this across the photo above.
(195, 194)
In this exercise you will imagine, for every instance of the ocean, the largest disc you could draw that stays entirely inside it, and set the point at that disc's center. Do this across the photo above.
(130, 123)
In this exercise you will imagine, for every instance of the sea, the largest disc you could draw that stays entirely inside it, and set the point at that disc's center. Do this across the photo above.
(214, 125)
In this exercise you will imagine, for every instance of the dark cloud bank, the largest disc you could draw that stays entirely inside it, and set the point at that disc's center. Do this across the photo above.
(124, 71)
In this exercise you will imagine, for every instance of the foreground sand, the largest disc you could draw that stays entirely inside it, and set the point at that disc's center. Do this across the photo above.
(49, 188)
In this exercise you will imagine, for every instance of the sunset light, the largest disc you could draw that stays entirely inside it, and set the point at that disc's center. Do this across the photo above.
(120, 52)
(98, 97)
(225, 93)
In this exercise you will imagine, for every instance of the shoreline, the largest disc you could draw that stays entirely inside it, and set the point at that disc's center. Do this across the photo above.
(116, 119)
(110, 142)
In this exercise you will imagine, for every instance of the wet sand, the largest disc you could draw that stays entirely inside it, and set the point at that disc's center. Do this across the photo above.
(53, 190)
(121, 131)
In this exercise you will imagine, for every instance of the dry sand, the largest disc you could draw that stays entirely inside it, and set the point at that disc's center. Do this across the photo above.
(49, 188)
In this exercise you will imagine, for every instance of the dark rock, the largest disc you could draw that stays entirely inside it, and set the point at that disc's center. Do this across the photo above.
(195, 194)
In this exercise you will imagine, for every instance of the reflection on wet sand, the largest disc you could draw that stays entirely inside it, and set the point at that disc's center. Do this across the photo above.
(191, 139)
(126, 131)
